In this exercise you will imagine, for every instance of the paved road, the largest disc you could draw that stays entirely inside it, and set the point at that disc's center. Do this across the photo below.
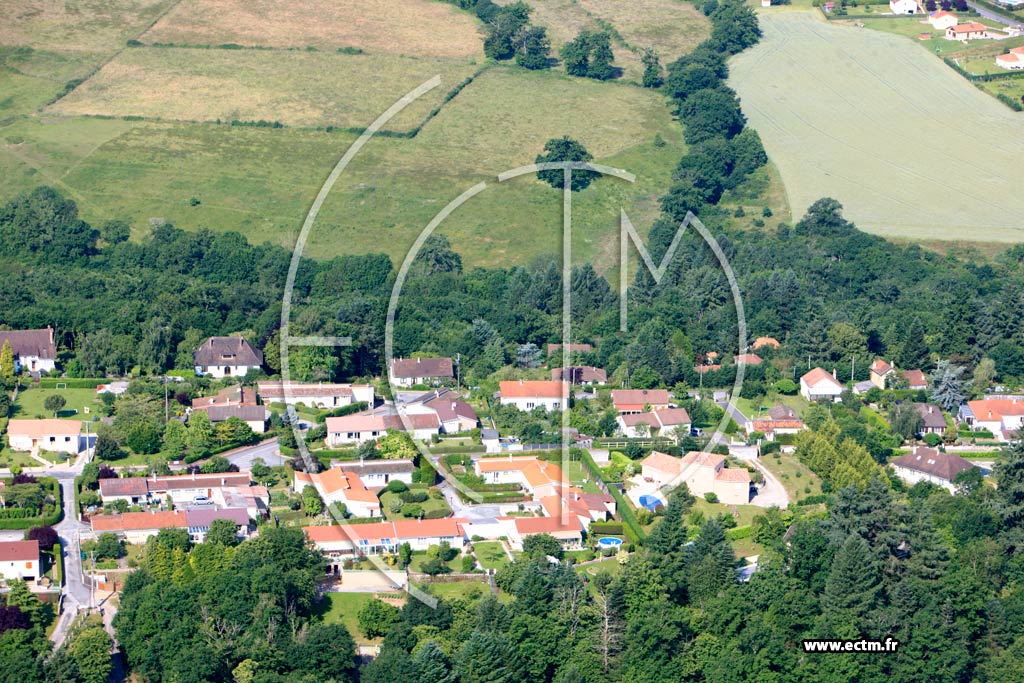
(76, 591)
(989, 14)
(266, 450)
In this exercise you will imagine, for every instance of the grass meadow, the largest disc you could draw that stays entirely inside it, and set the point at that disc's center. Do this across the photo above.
(907, 145)
(398, 27)
(296, 88)
(672, 27)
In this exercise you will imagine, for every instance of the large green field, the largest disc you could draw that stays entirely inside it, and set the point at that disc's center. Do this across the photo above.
(909, 147)
(138, 140)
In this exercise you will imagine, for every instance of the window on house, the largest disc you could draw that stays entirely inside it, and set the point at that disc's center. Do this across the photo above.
(529, 406)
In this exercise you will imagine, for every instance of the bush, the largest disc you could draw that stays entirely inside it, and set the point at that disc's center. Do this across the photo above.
(414, 511)
(434, 567)
(711, 497)
(46, 535)
(932, 440)
(413, 496)
(397, 486)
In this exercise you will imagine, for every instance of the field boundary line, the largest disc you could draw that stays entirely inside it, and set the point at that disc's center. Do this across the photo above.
(92, 72)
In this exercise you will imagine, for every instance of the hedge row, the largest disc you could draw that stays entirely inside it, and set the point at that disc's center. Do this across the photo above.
(52, 514)
(606, 528)
(72, 382)
(739, 532)
(816, 500)
(357, 407)
(981, 77)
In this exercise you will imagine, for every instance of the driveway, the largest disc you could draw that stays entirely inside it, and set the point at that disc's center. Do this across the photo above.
(772, 493)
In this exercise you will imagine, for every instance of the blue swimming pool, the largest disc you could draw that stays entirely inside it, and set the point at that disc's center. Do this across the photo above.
(609, 542)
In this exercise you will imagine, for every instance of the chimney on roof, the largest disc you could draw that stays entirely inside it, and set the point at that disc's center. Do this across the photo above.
(833, 373)
(193, 475)
(418, 360)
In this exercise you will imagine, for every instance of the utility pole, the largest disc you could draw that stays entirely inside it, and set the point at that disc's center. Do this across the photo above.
(166, 409)
(853, 366)
(92, 580)
(458, 372)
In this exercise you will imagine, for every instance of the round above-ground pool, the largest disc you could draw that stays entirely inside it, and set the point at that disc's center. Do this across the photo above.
(609, 542)
(651, 502)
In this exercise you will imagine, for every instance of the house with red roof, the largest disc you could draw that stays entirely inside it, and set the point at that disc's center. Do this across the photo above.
(971, 31)
(362, 427)
(702, 473)
(819, 384)
(454, 414)
(529, 394)
(136, 527)
(48, 434)
(942, 20)
(1001, 416)
(916, 379)
(628, 401)
(1012, 60)
(19, 560)
(658, 423)
(879, 372)
(335, 485)
(765, 342)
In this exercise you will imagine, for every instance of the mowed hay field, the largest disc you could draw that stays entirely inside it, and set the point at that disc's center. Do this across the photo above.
(672, 27)
(408, 27)
(90, 26)
(909, 147)
(297, 88)
(261, 181)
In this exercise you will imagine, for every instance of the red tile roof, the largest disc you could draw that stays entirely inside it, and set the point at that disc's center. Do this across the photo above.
(45, 427)
(765, 341)
(817, 375)
(639, 397)
(531, 389)
(915, 379)
(19, 551)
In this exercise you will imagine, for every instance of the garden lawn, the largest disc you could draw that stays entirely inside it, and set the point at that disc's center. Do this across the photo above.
(343, 608)
(490, 554)
(30, 404)
(429, 505)
(796, 478)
